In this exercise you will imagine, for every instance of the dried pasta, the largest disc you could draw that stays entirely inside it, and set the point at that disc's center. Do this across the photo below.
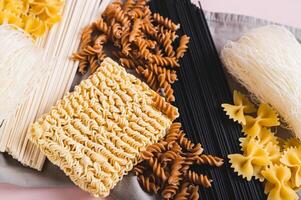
(95, 134)
(252, 161)
(265, 156)
(266, 117)
(278, 177)
(292, 159)
(169, 163)
(241, 106)
(140, 40)
(35, 17)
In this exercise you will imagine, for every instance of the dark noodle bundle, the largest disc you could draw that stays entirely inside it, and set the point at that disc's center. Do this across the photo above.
(201, 89)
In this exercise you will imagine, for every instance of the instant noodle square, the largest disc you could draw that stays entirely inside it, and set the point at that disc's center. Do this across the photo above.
(96, 133)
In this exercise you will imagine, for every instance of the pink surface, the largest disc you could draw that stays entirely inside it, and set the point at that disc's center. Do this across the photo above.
(284, 12)
(278, 11)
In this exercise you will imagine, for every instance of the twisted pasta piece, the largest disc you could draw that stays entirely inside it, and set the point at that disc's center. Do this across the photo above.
(184, 142)
(168, 91)
(175, 173)
(169, 191)
(167, 44)
(196, 151)
(165, 22)
(139, 169)
(157, 168)
(173, 132)
(101, 25)
(128, 5)
(194, 192)
(148, 185)
(150, 78)
(164, 61)
(199, 179)
(183, 194)
(128, 63)
(165, 107)
(213, 161)
(135, 30)
(182, 48)
(143, 48)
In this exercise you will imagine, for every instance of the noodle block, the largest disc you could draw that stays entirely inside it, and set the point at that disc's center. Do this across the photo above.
(96, 133)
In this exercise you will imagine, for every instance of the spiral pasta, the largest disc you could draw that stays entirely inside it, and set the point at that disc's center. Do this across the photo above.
(101, 133)
(170, 163)
(165, 22)
(182, 46)
(142, 41)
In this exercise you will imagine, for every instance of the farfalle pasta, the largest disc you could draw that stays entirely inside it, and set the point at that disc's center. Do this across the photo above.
(252, 161)
(277, 186)
(292, 159)
(241, 106)
(266, 117)
(266, 157)
(35, 16)
(96, 133)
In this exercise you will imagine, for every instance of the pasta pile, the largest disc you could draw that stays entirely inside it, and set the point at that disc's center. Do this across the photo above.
(34, 16)
(264, 157)
(139, 39)
(96, 133)
(166, 169)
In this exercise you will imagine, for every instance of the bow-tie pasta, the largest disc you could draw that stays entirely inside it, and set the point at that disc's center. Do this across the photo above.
(278, 177)
(241, 106)
(266, 117)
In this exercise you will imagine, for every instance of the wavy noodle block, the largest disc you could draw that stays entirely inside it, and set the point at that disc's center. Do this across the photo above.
(251, 162)
(278, 177)
(266, 117)
(241, 106)
(292, 158)
(96, 133)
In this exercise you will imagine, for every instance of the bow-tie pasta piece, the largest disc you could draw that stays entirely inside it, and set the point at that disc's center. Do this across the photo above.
(14, 6)
(241, 106)
(264, 137)
(34, 26)
(7, 17)
(278, 177)
(252, 161)
(266, 117)
(292, 158)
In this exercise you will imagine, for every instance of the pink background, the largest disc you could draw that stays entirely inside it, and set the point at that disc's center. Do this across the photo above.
(285, 12)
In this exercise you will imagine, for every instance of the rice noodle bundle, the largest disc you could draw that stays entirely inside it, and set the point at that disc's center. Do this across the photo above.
(267, 61)
(19, 68)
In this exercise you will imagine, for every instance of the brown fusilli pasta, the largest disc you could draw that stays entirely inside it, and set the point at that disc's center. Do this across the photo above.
(165, 22)
(148, 185)
(198, 179)
(130, 27)
(182, 46)
(183, 194)
(169, 164)
(209, 160)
